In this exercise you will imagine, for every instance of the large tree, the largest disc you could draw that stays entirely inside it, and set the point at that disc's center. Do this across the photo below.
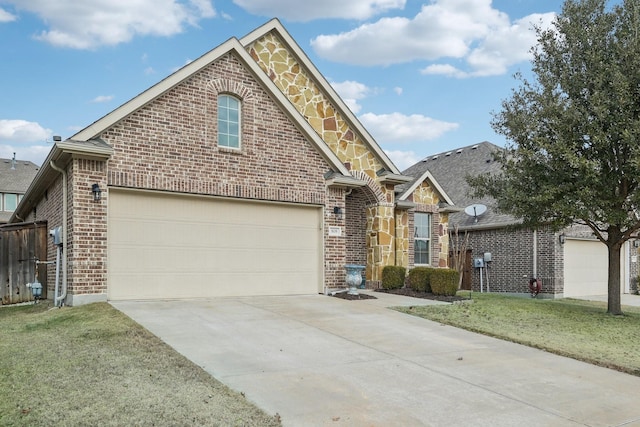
(573, 130)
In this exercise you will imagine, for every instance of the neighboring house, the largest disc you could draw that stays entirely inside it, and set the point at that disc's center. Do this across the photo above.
(15, 177)
(243, 173)
(569, 263)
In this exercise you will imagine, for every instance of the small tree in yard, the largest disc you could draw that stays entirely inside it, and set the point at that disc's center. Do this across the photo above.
(459, 248)
(573, 152)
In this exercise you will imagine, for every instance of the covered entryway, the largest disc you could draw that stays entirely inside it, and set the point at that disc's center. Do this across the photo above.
(164, 245)
(585, 268)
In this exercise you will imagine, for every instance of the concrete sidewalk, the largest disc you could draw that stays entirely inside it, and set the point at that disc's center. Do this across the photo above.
(323, 361)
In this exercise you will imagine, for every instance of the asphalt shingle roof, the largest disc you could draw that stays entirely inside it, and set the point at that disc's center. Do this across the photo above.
(451, 168)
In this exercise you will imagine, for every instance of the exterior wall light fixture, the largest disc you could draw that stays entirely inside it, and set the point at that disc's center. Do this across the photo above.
(562, 238)
(97, 192)
(337, 210)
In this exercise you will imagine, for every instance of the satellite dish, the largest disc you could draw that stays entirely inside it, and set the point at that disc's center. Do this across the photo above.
(475, 210)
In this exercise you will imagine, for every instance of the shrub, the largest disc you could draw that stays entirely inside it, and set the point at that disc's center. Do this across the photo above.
(393, 277)
(444, 281)
(419, 279)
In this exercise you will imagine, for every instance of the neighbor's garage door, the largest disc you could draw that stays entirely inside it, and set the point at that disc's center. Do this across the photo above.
(585, 268)
(176, 246)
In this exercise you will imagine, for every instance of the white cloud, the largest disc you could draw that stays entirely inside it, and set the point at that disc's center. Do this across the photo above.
(92, 23)
(468, 30)
(351, 91)
(102, 98)
(397, 127)
(26, 139)
(296, 10)
(32, 153)
(499, 50)
(21, 131)
(398, 90)
(445, 70)
(6, 16)
(402, 159)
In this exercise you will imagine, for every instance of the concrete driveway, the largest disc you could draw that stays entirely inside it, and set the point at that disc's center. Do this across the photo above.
(321, 361)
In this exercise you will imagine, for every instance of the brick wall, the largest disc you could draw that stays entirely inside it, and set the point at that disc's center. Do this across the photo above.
(356, 227)
(512, 260)
(88, 246)
(49, 209)
(335, 246)
(171, 145)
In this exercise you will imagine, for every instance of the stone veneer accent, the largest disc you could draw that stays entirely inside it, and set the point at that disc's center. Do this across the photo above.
(309, 99)
(427, 200)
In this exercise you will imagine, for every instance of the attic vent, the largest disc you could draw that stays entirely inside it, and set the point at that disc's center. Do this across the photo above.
(459, 151)
(434, 157)
(448, 154)
(475, 147)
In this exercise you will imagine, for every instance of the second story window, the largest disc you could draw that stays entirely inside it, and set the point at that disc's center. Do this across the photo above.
(228, 121)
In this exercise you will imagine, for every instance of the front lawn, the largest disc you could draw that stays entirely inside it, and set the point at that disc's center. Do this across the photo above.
(574, 328)
(93, 366)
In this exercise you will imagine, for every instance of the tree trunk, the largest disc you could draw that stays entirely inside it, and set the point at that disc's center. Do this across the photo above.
(613, 283)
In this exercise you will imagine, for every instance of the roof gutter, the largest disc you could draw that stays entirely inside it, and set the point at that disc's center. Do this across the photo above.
(61, 153)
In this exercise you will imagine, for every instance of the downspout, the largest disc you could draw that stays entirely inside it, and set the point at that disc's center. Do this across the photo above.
(535, 254)
(61, 298)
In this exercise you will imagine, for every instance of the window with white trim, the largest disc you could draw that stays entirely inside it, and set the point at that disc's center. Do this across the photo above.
(228, 121)
(9, 202)
(422, 239)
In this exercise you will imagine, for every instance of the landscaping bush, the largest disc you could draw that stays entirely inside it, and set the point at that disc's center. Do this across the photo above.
(444, 281)
(393, 277)
(419, 279)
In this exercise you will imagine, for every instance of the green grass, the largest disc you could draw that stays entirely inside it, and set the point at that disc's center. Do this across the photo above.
(578, 329)
(91, 365)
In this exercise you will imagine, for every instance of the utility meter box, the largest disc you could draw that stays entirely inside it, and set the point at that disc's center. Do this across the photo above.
(56, 234)
(478, 262)
(487, 257)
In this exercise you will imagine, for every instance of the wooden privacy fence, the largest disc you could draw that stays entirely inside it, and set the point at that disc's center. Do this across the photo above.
(20, 246)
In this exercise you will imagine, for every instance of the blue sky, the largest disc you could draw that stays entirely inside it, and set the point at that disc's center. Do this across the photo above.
(434, 70)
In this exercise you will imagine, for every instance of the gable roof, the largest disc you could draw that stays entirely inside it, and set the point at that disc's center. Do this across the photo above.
(451, 168)
(274, 25)
(233, 45)
(419, 179)
(15, 177)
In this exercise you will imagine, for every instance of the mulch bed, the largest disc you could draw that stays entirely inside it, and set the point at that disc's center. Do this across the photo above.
(426, 295)
(349, 297)
(404, 291)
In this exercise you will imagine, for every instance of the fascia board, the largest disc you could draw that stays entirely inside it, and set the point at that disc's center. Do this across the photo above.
(420, 180)
(344, 181)
(334, 98)
(61, 151)
(153, 92)
(231, 45)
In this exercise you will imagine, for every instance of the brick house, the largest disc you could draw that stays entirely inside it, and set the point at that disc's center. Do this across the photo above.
(569, 263)
(243, 173)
